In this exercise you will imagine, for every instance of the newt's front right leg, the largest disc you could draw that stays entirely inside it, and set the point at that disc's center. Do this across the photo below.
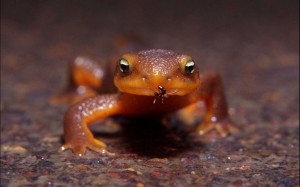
(77, 135)
(85, 79)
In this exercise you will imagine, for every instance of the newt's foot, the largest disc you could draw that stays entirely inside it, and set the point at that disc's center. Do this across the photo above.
(73, 95)
(80, 147)
(223, 127)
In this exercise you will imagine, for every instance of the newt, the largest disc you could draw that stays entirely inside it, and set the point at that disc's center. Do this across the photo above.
(154, 82)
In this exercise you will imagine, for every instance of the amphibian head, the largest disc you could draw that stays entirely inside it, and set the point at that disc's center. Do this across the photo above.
(156, 72)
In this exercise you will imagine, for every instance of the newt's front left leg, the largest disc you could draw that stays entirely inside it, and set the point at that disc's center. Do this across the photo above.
(217, 117)
(77, 135)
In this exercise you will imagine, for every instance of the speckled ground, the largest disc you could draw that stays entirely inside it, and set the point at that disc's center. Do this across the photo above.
(254, 45)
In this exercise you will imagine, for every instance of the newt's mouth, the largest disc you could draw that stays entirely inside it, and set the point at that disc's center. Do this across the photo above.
(157, 91)
(162, 93)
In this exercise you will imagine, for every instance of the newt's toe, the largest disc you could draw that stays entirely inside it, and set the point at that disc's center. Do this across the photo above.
(80, 148)
(223, 127)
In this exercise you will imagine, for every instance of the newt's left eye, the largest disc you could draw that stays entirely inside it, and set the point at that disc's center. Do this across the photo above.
(124, 66)
(189, 66)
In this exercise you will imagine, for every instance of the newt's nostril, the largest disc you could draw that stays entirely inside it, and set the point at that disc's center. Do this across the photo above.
(144, 77)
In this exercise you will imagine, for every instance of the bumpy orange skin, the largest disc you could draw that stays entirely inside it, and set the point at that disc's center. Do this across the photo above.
(155, 82)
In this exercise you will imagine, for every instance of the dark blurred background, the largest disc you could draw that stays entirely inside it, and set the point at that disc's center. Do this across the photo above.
(194, 26)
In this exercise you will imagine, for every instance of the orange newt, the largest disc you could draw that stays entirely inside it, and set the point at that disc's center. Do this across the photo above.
(153, 82)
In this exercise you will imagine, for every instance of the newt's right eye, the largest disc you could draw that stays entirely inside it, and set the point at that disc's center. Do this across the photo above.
(124, 66)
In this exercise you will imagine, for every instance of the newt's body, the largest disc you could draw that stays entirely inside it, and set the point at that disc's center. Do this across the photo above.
(151, 82)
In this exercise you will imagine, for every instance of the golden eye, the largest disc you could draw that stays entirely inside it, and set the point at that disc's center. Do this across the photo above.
(189, 66)
(124, 66)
